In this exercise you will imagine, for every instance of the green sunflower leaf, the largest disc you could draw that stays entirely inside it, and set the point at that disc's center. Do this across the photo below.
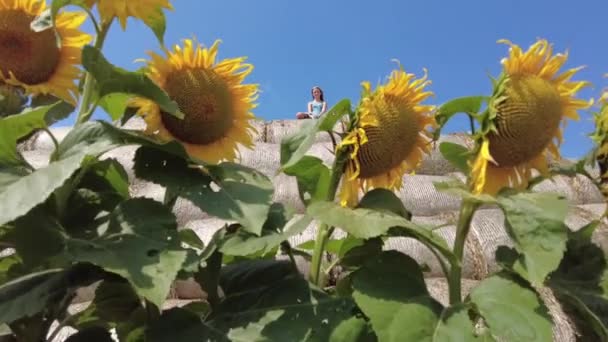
(457, 155)
(470, 105)
(391, 291)
(28, 295)
(157, 23)
(535, 223)
(15, 127)
(581, 284)
(140, 243)
(383, 199)
(24, 193)
(277, 229)
(179, 324)
(295, 146)
(312, 177)
(228, 191)
(97, 334)
(115, 104)
(96, 137)
(112, 79)
(328, 120)
(512, 310)
(267, 300)
(366, 223)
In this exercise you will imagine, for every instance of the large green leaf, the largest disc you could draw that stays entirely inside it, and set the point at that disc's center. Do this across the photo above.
(97, 334)
(115, 104)
(391, 291)
(295, 146)
(17, 126)
(37, 237)
(455, 325)
(140, 244)
(243, 243)
(512, 310)
(228, 191)
(312, 177)
(96, 137)
(155, 20)
(115, 302)
(26, 192)
(535, 223)
(368, 223)
(92, 138)
(30, 294)
(470, 105)
(181, 325)
(112, 79)
(580, 283)
(268, 300)
(456, 154)
(384, 199)
(296, 322)
(353, 330)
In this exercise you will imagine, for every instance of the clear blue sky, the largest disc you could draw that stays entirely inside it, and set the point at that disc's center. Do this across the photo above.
(337, 44)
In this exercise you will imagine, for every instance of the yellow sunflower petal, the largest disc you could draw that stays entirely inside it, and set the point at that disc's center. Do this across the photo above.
(50, 63)
(145, 10)
(390, 138)
(531, 107)
(216, 105)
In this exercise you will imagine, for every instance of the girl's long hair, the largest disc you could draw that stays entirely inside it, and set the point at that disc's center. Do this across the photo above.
(313, 96)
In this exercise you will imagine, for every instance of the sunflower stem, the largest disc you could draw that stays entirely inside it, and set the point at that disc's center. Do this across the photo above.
(84, 114)
(472, 122)
(462, 230)
(324, 232)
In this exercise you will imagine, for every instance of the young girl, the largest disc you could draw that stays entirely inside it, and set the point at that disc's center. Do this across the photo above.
(316, 107)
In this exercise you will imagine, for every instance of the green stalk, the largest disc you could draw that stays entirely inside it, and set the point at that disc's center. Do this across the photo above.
(85, 112)
(324, 232)
(462, 230)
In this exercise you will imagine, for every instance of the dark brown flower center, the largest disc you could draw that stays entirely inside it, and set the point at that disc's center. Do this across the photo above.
(206, 102)
(526, 120)
(392, 141)
(31, 56)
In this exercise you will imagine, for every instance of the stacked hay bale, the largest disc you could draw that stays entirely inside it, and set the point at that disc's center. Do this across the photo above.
(418, 195)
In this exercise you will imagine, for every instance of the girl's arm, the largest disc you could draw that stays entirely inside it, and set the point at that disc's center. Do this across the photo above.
(323, 109)
(310, 108)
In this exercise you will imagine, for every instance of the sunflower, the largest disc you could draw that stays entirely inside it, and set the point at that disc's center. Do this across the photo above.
(215, 102)
(522, 126)
(44, 62)
(146, 10)
(600, 137)
(390, 136)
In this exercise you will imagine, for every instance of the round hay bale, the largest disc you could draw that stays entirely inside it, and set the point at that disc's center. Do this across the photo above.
(578, 190)
(188, 289)
(41, 141)
(140, 188)
(434, 163)
(205, 228)
(276, 130)
(473, 263)
(420, 197)
(37, 158)
(186, 212)
(263, 157)
(286, 192)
